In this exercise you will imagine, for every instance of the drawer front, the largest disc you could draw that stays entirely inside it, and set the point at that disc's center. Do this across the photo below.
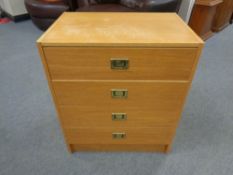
(158, 135)
(119, 116)
(141, 95)
(77, 63)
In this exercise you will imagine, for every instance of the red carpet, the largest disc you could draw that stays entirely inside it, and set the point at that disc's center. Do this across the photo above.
(4, 20)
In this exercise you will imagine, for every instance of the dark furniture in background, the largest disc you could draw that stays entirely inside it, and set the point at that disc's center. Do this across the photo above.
(127, 5)
(231, 21)
(44, 12)
(202, 17)
(223, 15)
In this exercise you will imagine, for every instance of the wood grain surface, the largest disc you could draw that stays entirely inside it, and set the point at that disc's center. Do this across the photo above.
(140, 94)
(156, 135)
(163, 54)
(120, 29)
(83, 63)
(101, 116)
(118, 147)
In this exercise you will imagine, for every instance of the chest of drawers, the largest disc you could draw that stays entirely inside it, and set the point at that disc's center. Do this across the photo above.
(119, 80)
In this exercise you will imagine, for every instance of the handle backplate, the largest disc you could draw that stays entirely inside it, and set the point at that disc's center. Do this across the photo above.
(119, 116)
(119, 63)
(118, 135)
(119, 93)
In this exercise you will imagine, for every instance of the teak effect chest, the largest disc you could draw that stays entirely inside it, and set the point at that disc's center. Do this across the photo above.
(119, 80)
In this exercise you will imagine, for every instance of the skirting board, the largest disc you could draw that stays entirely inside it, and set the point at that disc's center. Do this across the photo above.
(17, 18)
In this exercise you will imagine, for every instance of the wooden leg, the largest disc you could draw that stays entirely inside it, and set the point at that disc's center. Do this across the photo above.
(168, 148)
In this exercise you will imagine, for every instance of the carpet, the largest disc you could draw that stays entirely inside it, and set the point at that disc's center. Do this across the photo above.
(31, 142)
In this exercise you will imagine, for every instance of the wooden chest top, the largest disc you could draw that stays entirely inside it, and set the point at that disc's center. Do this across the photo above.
(120, 29)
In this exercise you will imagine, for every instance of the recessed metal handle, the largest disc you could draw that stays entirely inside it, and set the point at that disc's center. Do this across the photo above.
(119, 116)
(119, 93)
(119, 63)
(118, 135)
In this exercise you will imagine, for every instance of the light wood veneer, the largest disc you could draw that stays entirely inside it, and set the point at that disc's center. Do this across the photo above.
(162, 52)
(148, 135)
(75, 63)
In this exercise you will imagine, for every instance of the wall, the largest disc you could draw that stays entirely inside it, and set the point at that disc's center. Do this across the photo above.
(186, 9)
(13, 7)
(5, 5)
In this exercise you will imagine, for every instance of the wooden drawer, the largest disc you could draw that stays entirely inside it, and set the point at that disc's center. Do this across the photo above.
(140, 94)
(77, 63)
(101, 116)
(157, 135)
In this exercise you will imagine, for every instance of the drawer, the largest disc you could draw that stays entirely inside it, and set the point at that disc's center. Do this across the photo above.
(141, 95)
(78, 63)
(119, 116)
(158, 135)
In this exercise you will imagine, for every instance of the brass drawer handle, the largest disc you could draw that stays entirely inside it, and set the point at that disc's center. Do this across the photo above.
(119, 116)
(118, 135)
(119, 93)
(119, 63)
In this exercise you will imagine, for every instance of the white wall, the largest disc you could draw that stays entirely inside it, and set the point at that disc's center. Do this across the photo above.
(13, 7)
(186, 9)
(5, 5)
